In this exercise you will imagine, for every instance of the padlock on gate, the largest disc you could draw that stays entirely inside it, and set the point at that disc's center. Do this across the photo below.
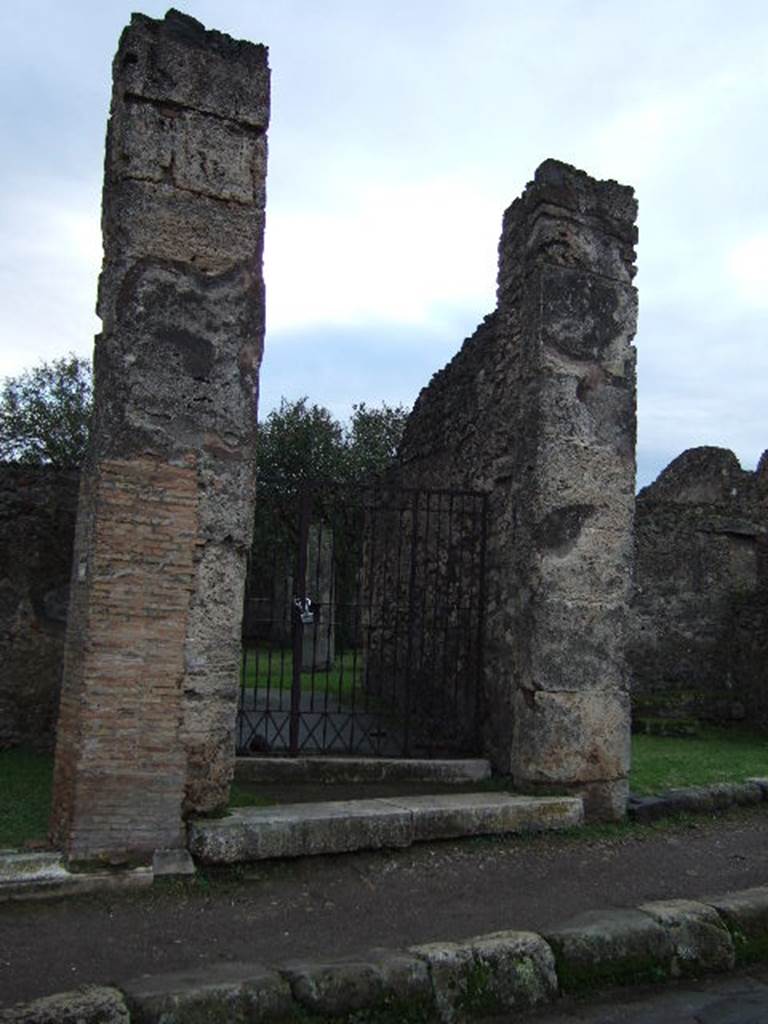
(304, 608)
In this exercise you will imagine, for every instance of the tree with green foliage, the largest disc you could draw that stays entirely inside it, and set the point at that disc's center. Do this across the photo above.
(300, 441)
(45, 413)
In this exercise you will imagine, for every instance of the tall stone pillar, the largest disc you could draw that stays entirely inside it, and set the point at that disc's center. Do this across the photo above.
(567, 314)
(146, 728)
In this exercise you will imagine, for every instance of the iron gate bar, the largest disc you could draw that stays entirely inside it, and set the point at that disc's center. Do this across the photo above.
(300, 588)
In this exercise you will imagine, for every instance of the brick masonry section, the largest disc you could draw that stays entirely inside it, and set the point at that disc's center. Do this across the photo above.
(146, 731)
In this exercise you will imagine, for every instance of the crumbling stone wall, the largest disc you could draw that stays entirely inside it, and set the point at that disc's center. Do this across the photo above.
(38, 505)
(538, 409)
(700, 586)
(149, 696)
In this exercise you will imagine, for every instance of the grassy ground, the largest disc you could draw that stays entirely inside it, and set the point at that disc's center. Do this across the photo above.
(717, 755)
(659, 763)
(25, 796)
(264, 668)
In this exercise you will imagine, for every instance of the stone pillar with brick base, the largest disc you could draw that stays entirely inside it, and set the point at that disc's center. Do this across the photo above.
(567, 310)
(146, 727)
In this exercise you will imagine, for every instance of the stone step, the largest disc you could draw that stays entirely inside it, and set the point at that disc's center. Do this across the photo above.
(300, 830)
(29, 875)
(361, 769)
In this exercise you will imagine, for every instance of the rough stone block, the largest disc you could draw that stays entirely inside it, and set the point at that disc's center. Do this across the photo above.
(492, 974)
(556, 664)
(380, 982)
(88, 1005)
(172, 864)
(701, 940)
(175, 61)
(193, 152)
(567, 736)
(226, 992)
(299, 830)
(584, 316)
(763, 784)
(610, 947)
(587, 244)
(746, 916)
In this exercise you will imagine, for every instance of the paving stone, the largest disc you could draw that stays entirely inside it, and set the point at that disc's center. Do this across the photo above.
(378, 982)
(746, 915)
(91, 1004)
(218, 992)
(701, 940)
(610, 947)
(763, 784)
(491, 974)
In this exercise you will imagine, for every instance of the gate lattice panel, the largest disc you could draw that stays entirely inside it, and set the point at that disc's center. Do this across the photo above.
(363, 620)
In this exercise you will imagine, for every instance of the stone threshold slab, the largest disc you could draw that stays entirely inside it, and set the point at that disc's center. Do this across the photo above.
(39, 875)
(301, 830)
(361, 769)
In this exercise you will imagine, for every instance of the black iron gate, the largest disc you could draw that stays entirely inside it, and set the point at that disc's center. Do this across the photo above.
(363, 622)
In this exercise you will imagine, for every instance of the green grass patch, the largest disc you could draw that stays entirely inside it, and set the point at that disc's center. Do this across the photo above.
(264, 668)
(247, 795)
(719, 754)
(25, 796)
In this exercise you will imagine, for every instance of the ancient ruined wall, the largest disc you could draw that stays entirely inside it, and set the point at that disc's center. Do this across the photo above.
(700, 535)
(164, 524)
(37, 521)
(538, 409)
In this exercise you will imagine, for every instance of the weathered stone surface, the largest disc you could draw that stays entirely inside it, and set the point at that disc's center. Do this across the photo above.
(89, 1005)
(701, 940)
(380, 982)
(37, 523)
(610, 947)
(699, 631)
(746, 916)
(579, 736)
(172, 864)
(177, 62)
(492, 974)
(451, 815)
(360, 769)
(226, 992)
(763, 784)
(538, 409)
(165, 515)
(298, 830)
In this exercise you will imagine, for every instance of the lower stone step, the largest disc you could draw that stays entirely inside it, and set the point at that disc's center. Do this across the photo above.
(31, 875)
(300, 830)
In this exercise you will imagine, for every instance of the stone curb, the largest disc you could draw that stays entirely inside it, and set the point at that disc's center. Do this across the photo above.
(477, 979)
(697, 800)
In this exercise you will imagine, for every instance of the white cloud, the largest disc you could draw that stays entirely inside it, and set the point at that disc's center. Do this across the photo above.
(48, 273)
(746, 266)
(393, 253)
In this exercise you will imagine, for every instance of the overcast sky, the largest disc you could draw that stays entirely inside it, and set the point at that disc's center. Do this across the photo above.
(400, 132)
